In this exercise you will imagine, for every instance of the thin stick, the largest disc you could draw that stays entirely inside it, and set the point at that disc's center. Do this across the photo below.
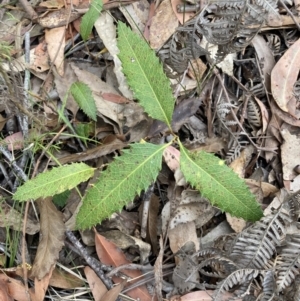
(96, 265)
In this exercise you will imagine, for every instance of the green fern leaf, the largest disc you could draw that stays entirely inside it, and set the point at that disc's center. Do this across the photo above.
(145, 75)
(219, 183)
(55, 181)
(124, 178)
(90, 18)
(83, 96)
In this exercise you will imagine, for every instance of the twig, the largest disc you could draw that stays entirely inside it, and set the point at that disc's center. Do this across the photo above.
(6, 176)
(26, 84)
(290, 13)
(28, 8)
(96, 265)
(11, 160)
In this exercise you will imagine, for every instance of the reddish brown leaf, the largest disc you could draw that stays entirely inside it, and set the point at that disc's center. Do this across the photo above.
(109, 254)
(283, 77)
(96, 285)
(113, 294)
(15, 288)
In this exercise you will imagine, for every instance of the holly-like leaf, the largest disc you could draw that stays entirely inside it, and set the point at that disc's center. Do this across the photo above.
(124, 178)
(55, 181)
(83, 96)
(90, 18)
(219, 184)
(145, 75)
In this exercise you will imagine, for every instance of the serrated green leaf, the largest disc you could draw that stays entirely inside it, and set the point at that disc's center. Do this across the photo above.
(83, 96)
(219, 184)
(124, 178)
(145, 75)
(60, 199)
(90, 18)
(55, 181)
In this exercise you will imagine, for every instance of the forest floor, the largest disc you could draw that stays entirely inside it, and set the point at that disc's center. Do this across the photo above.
(123, 178)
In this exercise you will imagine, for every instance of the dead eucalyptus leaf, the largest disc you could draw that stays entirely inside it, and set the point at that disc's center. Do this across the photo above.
(113, 293)
(289, 154)
(52, 233)
(55, 39)
(283, 77)
(109, 254)
(266, 57)
(163, 25)
(96, 285)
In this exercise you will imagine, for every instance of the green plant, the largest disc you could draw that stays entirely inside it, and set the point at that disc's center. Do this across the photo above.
(139, 165)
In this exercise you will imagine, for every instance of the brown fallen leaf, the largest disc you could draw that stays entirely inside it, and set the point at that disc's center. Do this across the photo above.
(37, 293)
(265, 55)
(172, 157)
(58, 18)
(109, 254)
(55, 39)
(96, 285)
(65, 280)
(283, 77)
(113, 293)
(15, 141)
(52, 233)
(16, 288)
(289, 154)
(4, 293)
(163, 25)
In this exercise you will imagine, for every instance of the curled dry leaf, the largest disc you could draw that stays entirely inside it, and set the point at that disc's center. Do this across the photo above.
(283, 77)
(107, 32)
(52, 231)
(182, 234)
(192, 207)
(264, 114)
(58, 18)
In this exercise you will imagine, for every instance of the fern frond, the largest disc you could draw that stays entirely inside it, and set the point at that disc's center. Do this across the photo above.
(269, 286)
(220, 267)
(288, 266)
(239, 277)
(257, 244)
